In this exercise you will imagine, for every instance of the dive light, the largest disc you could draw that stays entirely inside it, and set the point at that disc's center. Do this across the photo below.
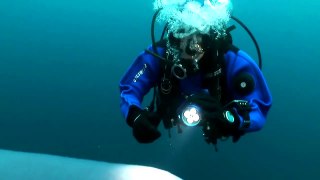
(190, 115)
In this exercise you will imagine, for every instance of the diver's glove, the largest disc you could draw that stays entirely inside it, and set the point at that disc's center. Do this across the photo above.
(218, 120)
(144, 124)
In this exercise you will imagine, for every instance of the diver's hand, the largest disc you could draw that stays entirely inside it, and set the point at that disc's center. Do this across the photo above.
(223, 121)
(144, 125)
(210, 106)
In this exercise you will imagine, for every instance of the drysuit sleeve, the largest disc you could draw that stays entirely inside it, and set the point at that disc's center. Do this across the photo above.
(139, 78)
(245, 81)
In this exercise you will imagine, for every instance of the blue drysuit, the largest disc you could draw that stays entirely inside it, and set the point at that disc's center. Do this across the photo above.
(144, 74)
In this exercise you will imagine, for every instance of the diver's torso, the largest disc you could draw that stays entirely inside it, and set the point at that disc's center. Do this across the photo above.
(192, 85)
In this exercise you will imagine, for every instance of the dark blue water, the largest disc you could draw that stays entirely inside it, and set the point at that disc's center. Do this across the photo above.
(61, 61)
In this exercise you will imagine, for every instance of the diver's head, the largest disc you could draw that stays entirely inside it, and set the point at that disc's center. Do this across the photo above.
(189, 47)
(192, 25)
(186, 52)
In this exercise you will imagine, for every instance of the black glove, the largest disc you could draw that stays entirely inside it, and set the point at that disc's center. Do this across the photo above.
(210, 106)
(215, 115)
(144, 124)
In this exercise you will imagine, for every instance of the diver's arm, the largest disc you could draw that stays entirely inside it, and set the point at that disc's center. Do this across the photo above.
(141, 76)
(246, 82)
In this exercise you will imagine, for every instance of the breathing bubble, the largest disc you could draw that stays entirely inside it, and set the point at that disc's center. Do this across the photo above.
(193, 16)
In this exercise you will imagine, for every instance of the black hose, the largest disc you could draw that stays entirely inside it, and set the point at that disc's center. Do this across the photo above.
(253, 39)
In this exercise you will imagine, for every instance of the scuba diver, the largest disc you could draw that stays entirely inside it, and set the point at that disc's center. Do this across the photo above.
(198, 76)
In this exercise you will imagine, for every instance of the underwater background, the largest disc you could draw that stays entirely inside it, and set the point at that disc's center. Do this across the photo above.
(61, 62)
